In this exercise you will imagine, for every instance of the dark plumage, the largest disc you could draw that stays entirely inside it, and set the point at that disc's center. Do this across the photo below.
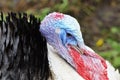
(23, 50)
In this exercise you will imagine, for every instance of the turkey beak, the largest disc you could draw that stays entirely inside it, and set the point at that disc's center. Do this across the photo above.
(78, 49)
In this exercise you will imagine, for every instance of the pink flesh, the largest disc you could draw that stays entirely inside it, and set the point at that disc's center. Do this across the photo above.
(89, 64)
(58, 15)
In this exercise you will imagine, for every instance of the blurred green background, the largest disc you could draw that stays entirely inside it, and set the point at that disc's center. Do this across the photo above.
(99, 20)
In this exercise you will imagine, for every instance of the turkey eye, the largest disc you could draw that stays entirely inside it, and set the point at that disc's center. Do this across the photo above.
(68, 34)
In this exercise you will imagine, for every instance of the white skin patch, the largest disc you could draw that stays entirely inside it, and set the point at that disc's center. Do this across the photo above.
(57, 30)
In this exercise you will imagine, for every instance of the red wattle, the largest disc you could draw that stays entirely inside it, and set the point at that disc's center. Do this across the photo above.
(89, 65)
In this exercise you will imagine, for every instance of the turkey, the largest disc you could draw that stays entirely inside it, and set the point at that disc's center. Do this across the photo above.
(69, 57)
(23, 50)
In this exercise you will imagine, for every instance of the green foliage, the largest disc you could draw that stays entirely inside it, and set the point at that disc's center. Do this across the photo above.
(44, 12)
(114, 30)
(62, 7)
(113, 54)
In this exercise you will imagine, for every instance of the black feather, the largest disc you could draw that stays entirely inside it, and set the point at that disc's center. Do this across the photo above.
(23, 50)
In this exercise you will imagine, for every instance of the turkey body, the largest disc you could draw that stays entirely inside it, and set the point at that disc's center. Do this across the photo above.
(23, 53)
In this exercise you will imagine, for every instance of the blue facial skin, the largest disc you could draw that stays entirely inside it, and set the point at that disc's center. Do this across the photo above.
(66, 25)
(66, 38)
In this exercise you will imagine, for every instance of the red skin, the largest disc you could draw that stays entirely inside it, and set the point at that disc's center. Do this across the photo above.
(58, 15)
(86, 64)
